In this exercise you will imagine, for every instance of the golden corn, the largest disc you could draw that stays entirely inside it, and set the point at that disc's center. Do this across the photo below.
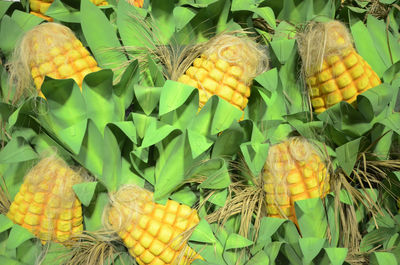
(137, 3)
(152, 232)
(46, 204)
(53, 50)
(226, 68)
(39, 7)
(334, 72)
(293, 171)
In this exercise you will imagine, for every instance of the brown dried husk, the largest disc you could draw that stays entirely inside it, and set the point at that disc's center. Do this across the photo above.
(319, 40)
(34, 46)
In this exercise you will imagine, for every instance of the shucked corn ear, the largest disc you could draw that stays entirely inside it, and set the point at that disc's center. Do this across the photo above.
(39, 7)
(152, 232)
(49, 49)
(294, 170)
(46, 204)
(333, 69)
(226, 68)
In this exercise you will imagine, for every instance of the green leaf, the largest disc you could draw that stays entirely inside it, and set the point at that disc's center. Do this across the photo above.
(185, 196)
(9, 261)
(156, 132)
(383, 258)
(147, 97)
(311, 217)
(237, 241)
(258, 259)
(216, 172)
(4, 6)
(162, 11)
(85, 191)
(255, 155)
(228, 143)
(219, 198)
(111, 161)
(310, 247)
(97, 91)
(94, 213)
(25, 20)
(363, 42)
(56, 254)
(124, 90)
(198, 143)
(373, 101)
(203, 233)
(91, 152)
(182, 16)
(336, 255)
(18, 235)
(282, 49)
(173, 95)
(102, 38)
(60, 12)
(347, 155)
(225, 115)
(17, 150)
(5, 223)
(268, 79)
(10, 32)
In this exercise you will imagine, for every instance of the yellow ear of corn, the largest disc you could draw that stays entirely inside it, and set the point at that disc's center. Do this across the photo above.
(293, 171)
(137, 3)
(152, 232)
(226, 68)
(334, 72)
(51, 49)
(46, 204)
(39, 7)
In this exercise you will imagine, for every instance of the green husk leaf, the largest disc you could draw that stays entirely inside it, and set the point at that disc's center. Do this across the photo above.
(85, 191)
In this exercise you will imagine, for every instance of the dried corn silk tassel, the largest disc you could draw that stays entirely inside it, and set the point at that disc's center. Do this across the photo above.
(46, 204)
(49, 49)
(333, 69)
(294, 170)
(153, 233)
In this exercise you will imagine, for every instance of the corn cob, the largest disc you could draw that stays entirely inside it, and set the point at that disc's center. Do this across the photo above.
(152, 232)
(293, 171)
(137, 3)
(50, 49)
(46, 204)
(39, 7)
(226, 68)
(333, 69)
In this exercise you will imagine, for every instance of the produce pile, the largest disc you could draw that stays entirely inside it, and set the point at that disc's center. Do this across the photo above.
(199, 132)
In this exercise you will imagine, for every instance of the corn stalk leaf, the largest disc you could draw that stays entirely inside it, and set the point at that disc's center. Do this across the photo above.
(25, 20)
(347, 155)
(102, 38)
(18, 235)
(10, 31)
(203, 233)
(336, 255)
(310, 247)
(17, 150)
(382, 258)
(60, 12)
(93, 214)
(85, 192)
(173, 95)
(5, 223)
(147, 97)
(311, 217)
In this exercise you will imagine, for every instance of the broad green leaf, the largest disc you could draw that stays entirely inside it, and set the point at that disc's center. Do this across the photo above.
(124, 90)
(111, 161)
(311, 217)
(156, 132)
(310, 247)
(364, 43)
(60, 12)
(255, 155)
(147, 97)
(97, 91)
(347, 155)
(282, 49)
(142, 122)
(5, 223)
(128, 128)
(203, 233)
(217, 174)
(66, 114)
(10, 31)
(392, 72)
(18, 235)
(219, 197)
(173, 95)
(91, 152)
(9, 261)
(28, 252)
(237, 241)
(182, 16)
(373, 101)
(93, 214)
(131, 26)
(162, 11)
(17, 150)
(258, 259)
(224, 116)
(268, 79)
(56, 254)
(25, 20)
(383, 258)
(198, 143)
(269, 226)
(102, 38)
(85, 191)
(185, 196)
(4, 6)
(228, 143)
(336, 255)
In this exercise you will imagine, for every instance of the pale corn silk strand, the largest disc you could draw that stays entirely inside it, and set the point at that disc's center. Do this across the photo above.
(318, 42)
